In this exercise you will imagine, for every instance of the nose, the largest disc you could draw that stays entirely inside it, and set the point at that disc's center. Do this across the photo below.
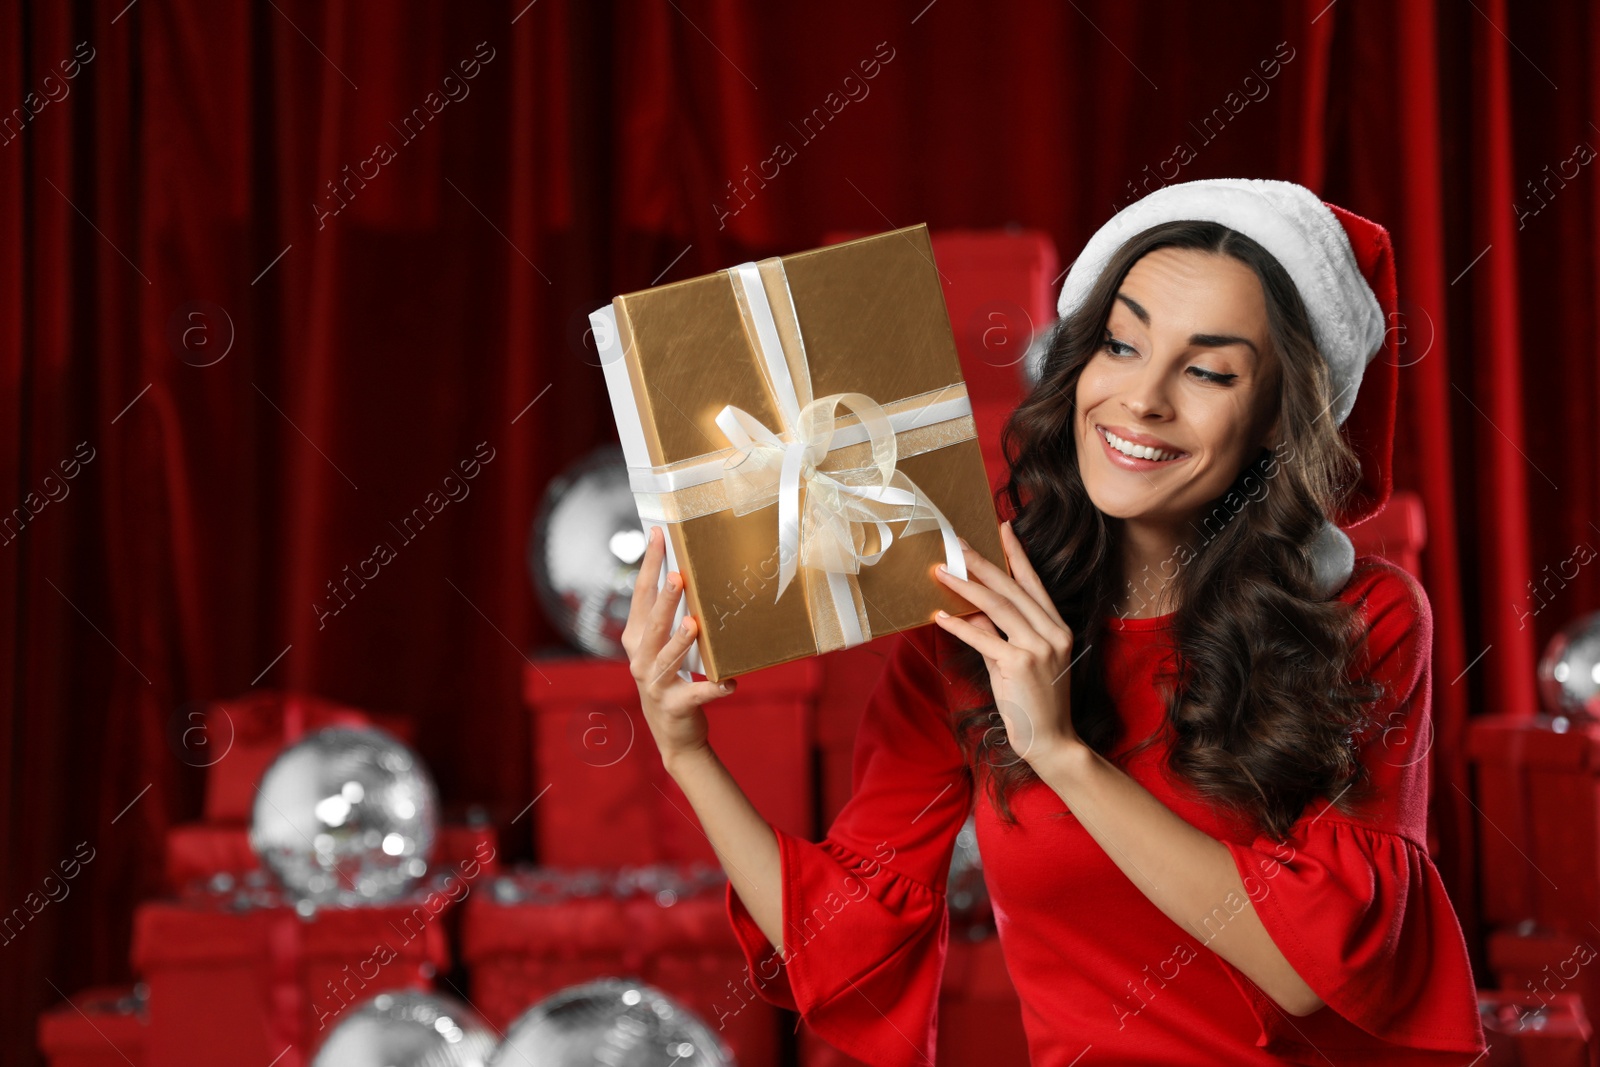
(1145, 394)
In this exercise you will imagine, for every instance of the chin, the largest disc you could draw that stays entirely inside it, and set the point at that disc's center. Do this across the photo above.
(1127, 512)
(1117, 507)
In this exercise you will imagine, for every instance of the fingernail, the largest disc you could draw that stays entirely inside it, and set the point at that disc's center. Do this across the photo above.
(684, 627)
(963, 541)
(943, 569)
(943, 614)
(726, 687)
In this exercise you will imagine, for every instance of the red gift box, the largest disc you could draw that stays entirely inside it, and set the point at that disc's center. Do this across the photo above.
(604, 799)
(266, 985)
(235, 740)
(980, 1017)
(523, 941)
(198, 852)
(102, 1027)
(1538, 785)
(1545, 964)
(1527, 1030)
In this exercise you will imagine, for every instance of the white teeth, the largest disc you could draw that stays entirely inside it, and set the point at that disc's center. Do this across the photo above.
(1137, 451)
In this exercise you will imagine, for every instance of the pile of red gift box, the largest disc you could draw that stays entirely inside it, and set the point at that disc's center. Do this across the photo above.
(232, 970)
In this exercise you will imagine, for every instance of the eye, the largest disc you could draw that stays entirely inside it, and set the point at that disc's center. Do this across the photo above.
(1119, 350)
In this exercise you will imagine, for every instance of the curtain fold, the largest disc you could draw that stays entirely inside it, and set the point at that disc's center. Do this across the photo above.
(1423, 452)
(281, 267)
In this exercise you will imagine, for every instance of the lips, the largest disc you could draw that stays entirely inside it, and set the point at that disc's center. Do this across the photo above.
(1134, 437)
(1136, 463)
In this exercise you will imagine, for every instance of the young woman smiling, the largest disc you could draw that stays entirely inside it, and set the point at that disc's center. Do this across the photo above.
(1193, 724)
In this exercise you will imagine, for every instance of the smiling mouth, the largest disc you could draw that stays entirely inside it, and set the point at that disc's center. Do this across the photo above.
(1136, 455)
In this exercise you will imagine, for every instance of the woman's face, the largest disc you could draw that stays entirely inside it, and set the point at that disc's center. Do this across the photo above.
(1186, 367)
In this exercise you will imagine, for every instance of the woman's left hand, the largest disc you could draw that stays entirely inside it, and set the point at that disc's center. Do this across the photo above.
(1024, 642)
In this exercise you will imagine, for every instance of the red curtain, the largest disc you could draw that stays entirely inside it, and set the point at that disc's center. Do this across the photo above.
(272, 270)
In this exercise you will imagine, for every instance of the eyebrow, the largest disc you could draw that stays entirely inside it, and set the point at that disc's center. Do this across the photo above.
(1202, 340)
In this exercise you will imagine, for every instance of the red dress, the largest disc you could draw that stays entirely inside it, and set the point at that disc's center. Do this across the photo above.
(1104, 977)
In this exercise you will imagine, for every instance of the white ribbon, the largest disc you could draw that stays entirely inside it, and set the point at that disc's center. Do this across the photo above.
(653, 486)
(829, 536)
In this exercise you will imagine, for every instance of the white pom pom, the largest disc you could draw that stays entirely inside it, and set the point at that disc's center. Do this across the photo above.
(1333, 558)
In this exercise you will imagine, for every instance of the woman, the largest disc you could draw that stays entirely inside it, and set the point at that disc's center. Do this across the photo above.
(1194, 726)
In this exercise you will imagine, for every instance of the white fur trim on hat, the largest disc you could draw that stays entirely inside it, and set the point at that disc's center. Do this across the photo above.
(1333, 558)
(1289, 221)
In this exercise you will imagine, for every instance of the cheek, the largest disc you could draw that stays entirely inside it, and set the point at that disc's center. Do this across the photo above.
(1223, 431)
(1092, 387)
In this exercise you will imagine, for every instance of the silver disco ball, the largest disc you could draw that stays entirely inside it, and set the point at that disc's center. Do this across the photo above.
(585, 549)
(346, 816)
(614, 1021)
(408, 1029)
(1569, 670)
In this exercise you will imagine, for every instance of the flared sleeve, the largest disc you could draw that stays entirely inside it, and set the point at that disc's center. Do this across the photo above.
(1356, 904)
(864, 915)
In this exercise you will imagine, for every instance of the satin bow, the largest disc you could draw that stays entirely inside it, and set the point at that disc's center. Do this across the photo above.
(830, 535)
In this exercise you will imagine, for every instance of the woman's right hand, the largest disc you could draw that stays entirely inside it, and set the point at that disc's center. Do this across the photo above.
(672, 706)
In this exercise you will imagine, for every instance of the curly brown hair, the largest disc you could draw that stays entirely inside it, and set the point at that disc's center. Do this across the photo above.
(1261, 711)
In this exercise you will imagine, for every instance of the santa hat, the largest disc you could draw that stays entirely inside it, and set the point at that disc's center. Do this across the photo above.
(1343, 266)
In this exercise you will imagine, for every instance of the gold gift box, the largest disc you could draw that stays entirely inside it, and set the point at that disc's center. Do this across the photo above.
(865, 316)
